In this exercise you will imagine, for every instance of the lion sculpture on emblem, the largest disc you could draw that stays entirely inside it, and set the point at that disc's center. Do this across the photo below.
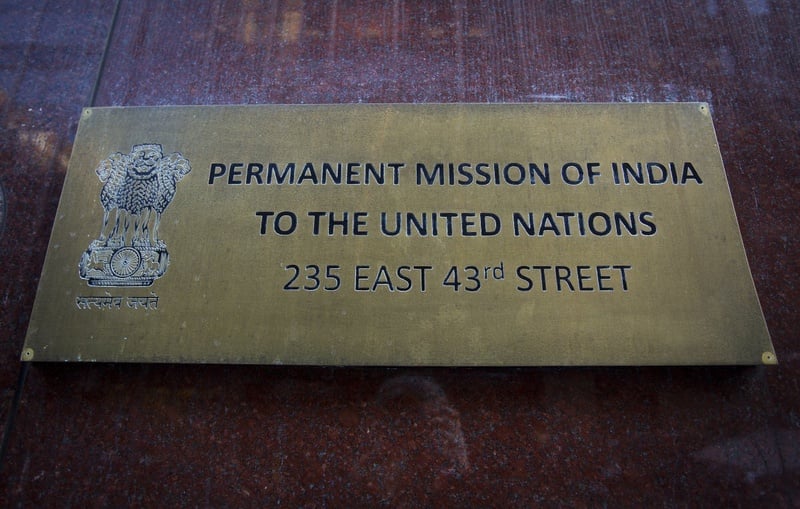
(137, 189)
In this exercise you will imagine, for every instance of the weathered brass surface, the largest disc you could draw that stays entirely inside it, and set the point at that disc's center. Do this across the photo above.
(565, 234)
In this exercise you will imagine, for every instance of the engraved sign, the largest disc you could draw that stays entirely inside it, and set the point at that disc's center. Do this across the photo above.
(454, 235)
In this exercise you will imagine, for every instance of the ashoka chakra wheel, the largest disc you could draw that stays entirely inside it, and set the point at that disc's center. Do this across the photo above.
(125, 261)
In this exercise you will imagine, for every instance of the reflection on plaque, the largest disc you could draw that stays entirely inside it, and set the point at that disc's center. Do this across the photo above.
(398, 235)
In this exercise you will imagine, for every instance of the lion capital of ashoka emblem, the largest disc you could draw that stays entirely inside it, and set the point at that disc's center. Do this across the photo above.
(137, 189)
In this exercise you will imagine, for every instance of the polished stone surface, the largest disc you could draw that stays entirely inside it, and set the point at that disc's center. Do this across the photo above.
(160, 435)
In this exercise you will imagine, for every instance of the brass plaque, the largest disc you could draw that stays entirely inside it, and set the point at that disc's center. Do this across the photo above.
(458, 234)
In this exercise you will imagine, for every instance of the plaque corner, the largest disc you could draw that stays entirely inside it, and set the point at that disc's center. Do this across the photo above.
(27, 355)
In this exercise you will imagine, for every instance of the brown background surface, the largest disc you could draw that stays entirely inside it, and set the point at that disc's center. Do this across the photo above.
(161, 435)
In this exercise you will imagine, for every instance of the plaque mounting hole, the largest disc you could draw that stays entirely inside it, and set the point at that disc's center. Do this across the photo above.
(27, 354)
(769, 358)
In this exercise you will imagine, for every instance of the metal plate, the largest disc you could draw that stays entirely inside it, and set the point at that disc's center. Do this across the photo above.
(597, 234)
